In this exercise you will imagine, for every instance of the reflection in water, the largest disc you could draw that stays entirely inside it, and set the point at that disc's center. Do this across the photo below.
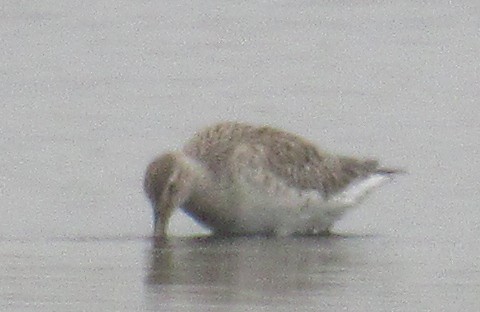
(241, 269)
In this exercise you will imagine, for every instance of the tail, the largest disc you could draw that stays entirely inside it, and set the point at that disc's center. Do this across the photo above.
(390, 171)
(363, 178)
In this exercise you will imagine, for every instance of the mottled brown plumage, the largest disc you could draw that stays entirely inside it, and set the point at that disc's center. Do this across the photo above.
(291, 158)
(268, 168)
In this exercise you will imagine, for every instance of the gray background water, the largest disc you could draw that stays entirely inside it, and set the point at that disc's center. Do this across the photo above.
(91, 91)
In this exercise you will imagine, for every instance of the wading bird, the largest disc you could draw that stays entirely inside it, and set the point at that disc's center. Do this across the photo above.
(240, 179)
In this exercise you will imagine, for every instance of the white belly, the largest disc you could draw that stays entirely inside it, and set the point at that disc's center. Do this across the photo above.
(257, 212)
(274, 208)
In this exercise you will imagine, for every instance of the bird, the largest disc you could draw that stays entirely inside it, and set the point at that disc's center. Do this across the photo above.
(242, 179)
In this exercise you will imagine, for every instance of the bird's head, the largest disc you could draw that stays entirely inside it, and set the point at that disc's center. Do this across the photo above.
(168, 184)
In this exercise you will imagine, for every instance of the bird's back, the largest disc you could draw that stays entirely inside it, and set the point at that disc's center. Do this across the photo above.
(292, 159)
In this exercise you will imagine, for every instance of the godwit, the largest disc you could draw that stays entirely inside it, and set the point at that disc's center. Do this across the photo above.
(239, 179)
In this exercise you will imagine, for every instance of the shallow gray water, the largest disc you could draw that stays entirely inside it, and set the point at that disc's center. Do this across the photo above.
(91, 91)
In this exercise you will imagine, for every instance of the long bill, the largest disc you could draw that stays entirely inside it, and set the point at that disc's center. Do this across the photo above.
(163, 212)
(174, 193)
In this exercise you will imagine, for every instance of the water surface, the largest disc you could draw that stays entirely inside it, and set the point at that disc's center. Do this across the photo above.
(91, 91)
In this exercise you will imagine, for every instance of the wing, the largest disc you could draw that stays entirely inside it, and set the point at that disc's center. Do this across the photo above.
(280, 155)
(301, 165)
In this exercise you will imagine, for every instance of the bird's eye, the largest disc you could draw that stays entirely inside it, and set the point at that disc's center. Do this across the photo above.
(172, 188)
